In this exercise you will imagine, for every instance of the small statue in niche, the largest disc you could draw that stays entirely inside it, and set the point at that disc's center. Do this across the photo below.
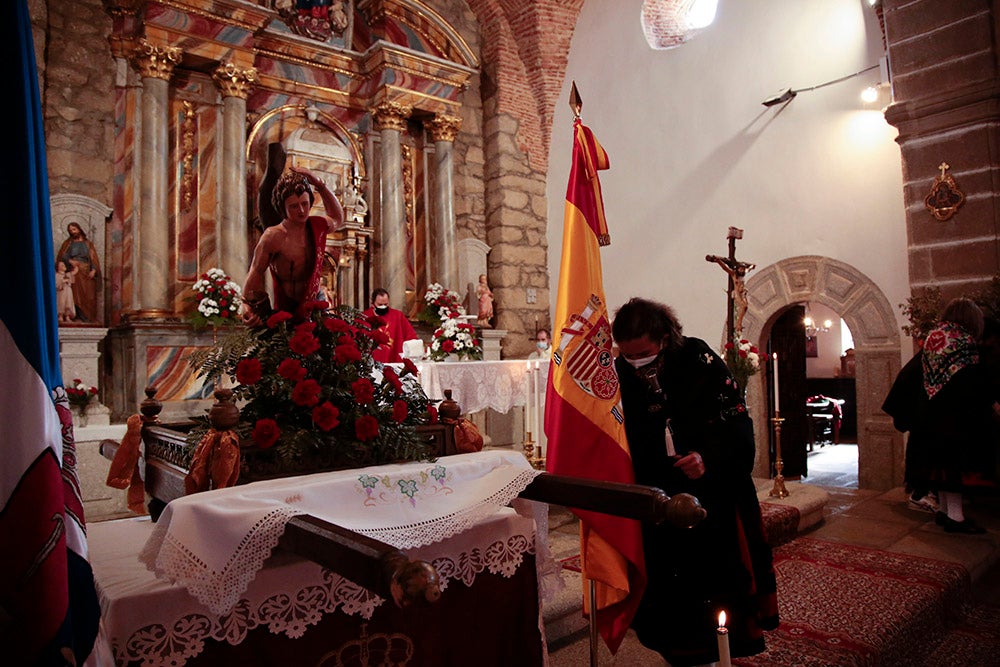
(485, 297)
(65, 275)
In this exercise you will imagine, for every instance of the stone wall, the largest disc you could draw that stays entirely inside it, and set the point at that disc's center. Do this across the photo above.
(943, 57)
(78, 99)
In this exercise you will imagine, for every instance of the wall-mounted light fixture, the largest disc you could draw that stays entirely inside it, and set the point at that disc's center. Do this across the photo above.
(812, 328)
(782, 97)
(788, 93)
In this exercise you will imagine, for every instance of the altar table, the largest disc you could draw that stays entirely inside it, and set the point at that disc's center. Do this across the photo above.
(294, 611)
(497, 385)
(477, 385)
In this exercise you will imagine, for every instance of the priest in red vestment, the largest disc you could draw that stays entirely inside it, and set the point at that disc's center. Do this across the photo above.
(397, 328)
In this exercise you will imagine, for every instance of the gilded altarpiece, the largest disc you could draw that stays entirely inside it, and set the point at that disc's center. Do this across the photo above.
(310, 90)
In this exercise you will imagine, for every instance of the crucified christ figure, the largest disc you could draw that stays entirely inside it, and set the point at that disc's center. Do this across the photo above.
(737, 271)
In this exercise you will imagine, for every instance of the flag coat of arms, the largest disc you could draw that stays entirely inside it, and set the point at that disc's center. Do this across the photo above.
(47, 588)
(583, 418)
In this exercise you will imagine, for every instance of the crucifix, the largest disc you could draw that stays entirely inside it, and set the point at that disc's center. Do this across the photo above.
(737, 293)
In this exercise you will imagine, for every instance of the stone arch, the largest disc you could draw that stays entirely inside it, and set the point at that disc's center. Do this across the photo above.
(872, 321)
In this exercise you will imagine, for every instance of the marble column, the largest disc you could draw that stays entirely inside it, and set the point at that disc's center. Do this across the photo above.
(151, 275)
(234, 249)
(444, 252)
(390, 121)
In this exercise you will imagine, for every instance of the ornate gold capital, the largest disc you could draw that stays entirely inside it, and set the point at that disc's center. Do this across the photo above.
(154, 61)
(391, 116)
(233, 81)
(444, 127)
(122, 8)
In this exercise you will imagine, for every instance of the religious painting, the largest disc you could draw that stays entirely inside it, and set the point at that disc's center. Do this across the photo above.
(812, 346)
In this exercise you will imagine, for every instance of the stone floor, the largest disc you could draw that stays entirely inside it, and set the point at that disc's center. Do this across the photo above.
(867, 518)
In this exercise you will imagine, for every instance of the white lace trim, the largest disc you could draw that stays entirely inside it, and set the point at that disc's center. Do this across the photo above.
(219, 590)
(292, 613)
(422, 533)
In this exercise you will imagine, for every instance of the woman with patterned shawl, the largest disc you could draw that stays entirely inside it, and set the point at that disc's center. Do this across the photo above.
(962, 416)
(689, 432)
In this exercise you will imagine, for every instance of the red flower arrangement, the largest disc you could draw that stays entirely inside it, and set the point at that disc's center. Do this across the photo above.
(218, 300)
(80, 394)
(311, 389)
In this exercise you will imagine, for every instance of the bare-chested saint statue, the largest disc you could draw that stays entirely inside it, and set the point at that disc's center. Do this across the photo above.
(293, 249)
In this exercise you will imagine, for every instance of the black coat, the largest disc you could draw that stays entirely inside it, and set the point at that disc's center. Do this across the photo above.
(723, 563)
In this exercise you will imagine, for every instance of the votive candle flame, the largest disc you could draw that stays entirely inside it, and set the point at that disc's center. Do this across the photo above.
(722, 635)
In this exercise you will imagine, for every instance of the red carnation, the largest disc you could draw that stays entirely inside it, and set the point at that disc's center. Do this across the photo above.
(316, 305)
(743, 353)
(400, 410)
(432, 414)
(292, 369)
(729, 346)
(364, 391)
(335, 324)
(366, 428)
(303, 342)
(278, 318)
(248, 371)
(390, 375)
(448, 345)
(306, 393)
(305, 327)
(326, 416)
(346, 353)
(409, 366)
(379, 336)
(266, 433)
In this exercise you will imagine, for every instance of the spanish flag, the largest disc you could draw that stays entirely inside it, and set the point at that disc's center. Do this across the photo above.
(583, 417)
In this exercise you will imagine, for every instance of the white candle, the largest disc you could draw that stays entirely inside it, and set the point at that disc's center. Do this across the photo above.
(722, 636)
(777, 404)
(528, 399)
(538, 404)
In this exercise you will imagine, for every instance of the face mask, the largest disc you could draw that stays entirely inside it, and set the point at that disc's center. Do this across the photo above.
(644, 361)
(381, 310)
(542, 345)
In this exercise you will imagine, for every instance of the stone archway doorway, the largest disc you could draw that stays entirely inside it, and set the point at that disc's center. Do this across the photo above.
(872, 321)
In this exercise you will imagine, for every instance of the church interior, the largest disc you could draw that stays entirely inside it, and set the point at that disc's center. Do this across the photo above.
(445, 129)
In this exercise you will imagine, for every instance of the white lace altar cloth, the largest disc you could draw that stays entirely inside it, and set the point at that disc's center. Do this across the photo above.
(214, 543)
(477, 385)
(148, 620)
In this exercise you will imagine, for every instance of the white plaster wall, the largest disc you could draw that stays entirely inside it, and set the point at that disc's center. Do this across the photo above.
(693, 151)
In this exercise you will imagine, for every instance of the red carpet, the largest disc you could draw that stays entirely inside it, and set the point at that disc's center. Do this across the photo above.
(847, 605)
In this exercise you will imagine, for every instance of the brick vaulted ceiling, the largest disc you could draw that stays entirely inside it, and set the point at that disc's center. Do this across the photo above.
(525, 51)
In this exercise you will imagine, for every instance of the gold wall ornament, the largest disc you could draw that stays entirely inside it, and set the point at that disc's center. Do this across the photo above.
(944, 198)
(235, 81)
(188, 133)
(444, 127)
(122, 9)
(391, 116)
(154, 61)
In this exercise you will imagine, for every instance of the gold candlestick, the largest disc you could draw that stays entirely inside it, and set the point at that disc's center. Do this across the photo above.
(778, 489)
(533, 452)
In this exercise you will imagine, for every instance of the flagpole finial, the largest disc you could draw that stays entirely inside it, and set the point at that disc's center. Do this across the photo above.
(575, 103)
